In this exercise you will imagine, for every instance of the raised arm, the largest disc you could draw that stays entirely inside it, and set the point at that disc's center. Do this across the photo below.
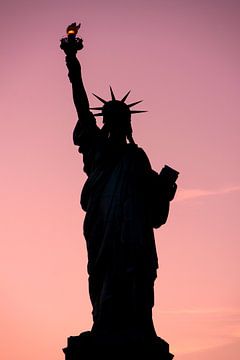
(79, 93)
(86, 129)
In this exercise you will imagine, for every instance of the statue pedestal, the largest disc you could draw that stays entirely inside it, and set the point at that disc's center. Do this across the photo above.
(85, 347)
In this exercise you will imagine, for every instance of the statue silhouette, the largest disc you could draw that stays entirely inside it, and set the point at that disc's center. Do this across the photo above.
(124, 200)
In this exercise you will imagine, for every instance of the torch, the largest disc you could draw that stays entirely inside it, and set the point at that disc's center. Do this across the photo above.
(71, 44)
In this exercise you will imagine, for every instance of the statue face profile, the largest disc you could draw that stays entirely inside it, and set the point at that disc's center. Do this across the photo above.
(116, 109)
(117, 116)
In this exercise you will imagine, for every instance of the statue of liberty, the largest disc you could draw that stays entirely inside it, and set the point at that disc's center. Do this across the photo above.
(124, 200)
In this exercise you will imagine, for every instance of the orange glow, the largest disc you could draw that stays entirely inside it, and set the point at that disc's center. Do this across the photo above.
(73, 29)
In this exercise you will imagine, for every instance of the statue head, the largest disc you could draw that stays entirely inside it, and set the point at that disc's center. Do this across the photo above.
(117, 116)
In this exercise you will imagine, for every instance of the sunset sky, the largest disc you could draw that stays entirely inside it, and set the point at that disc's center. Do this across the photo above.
(182, 58)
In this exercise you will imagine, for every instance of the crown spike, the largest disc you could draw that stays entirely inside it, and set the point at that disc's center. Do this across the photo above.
(112, 94)
(96, 108)
(135, 103)
(137, 111)
(98, 97)
(125, 97)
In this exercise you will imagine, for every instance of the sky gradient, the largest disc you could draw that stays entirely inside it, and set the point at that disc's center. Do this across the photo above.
(182, 58)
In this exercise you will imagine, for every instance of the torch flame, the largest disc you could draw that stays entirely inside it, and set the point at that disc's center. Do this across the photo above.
(73, 28)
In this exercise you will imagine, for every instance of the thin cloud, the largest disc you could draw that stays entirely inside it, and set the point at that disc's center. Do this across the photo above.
(202, 311)
(189, 194)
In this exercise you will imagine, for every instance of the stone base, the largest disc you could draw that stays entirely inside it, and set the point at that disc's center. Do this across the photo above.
(86, 347)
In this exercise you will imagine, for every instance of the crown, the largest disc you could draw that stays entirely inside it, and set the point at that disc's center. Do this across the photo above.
(116, 106)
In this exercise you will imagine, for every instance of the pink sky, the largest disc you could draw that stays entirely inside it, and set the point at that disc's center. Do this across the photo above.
(182, 57)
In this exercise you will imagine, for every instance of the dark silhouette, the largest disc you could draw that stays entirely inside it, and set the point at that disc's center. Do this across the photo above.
(124, 200)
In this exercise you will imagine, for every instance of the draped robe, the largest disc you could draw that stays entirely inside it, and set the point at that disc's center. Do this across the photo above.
(118, 198)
